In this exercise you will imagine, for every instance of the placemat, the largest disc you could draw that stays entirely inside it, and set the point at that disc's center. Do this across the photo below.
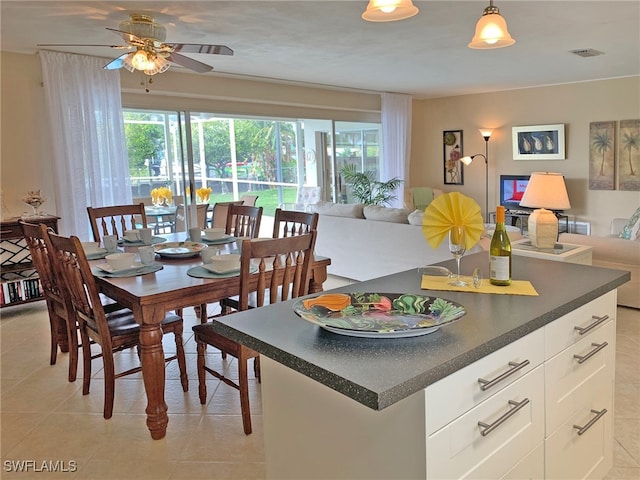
(517, 287)
(200, 272)
(139, 243)
(128, 273)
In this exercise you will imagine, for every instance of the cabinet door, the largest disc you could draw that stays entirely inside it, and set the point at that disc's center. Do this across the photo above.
(460, 450)
(589, 455)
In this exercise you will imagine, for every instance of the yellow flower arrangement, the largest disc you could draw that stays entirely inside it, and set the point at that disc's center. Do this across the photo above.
(161, 195)
(203, 194)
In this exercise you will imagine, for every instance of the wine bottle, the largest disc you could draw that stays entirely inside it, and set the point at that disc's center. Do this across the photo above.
(500, 253)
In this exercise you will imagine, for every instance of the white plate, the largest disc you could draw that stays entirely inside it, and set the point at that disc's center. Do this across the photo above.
(95, 251)
(180, 249)
(105, 267)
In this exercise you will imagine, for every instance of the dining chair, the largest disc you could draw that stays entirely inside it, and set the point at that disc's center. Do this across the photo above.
(114, 220)
(219, 215)
(283, 270)
(243, 221)
(249, 200)
(112, 331)
(201, 213)
(287, 223)
(61, 319)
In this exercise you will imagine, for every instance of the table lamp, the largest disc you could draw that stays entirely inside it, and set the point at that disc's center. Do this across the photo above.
(545, 191)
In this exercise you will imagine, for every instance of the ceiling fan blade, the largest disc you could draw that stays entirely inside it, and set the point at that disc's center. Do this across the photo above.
(127, 36)
(189, 63)
(81, 45)
(116, 63)
(200, 48)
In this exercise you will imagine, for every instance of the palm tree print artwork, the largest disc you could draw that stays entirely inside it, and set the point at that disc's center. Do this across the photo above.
(602, 155)
(629, 155)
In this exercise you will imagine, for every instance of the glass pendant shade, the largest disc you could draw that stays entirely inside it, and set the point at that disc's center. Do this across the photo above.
(141, 60)
(389, 10)
(159, 65)
(491, 31)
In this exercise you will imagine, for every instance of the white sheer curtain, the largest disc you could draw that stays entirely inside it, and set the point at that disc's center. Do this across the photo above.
(89, 155)
(396, 140)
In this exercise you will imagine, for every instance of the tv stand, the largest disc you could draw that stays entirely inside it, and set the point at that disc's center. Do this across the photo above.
(521, 217)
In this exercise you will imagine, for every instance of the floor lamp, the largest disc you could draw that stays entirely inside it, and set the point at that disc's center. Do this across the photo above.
(486, 134)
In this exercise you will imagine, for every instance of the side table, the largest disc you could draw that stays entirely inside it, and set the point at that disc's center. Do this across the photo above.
(19, 279)
(562, 252)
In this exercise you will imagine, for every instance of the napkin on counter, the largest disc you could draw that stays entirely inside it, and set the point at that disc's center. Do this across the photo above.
(517, 287)
(448, 210)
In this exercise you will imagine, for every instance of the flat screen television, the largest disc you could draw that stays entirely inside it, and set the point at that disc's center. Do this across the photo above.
(512, 189)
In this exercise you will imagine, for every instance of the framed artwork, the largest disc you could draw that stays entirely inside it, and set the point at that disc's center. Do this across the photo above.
(452, 153)
(628, 157)
(538, 142)
(601, 155)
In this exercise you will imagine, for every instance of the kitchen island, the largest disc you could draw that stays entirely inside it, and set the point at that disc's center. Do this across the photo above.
(342, 407)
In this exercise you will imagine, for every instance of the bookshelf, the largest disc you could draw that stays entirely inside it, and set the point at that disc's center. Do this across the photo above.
(19, 280)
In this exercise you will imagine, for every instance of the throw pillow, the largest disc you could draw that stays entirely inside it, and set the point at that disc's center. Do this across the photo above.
(352, 210)
(415, 217)
(630, 230)
(384, 214)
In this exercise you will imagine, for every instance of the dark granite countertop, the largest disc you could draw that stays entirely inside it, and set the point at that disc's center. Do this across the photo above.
(380, 372)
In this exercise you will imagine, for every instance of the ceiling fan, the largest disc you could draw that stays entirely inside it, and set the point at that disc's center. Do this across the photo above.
(148, 51)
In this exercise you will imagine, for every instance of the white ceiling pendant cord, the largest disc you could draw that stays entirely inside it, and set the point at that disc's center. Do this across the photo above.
(389, 10)
(491, 30)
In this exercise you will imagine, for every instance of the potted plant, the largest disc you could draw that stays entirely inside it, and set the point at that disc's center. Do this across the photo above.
(366, 189)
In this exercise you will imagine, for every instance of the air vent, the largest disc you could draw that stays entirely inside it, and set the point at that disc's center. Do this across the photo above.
(587, 52)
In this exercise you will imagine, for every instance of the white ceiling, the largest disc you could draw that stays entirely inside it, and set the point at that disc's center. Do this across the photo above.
(327, 42)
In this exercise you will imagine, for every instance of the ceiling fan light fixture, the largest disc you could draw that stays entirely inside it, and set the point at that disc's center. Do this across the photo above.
(141, 60)
(159, 65)
(491, 30)
(389, 10)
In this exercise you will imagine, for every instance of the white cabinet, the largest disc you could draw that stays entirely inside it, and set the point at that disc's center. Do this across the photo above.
(579, 377)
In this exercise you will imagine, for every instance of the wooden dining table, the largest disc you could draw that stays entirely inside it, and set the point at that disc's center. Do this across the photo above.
(150, 296)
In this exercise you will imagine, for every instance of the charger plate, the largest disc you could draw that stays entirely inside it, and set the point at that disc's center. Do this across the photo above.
(379, 315)
(97, 255)
(134, 271)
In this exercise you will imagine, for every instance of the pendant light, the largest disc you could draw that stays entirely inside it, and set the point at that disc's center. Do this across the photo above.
(389, 10)
(491, 30)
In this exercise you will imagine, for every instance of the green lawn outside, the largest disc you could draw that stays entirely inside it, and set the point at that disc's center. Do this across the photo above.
(267, 199)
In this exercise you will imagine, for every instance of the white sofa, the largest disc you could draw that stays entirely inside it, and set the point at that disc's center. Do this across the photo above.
(361, 249)
(615, 252)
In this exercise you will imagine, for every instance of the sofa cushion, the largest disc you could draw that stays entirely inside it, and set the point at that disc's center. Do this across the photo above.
(415, 217)
(384, 214)
(351, 210)
(630, 230)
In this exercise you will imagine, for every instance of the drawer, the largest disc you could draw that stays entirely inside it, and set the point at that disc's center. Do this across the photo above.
(578, 324)
(460, 450)
(459, 392)
(11, 231)
(590, 455)
(571, 385)
(530, 468)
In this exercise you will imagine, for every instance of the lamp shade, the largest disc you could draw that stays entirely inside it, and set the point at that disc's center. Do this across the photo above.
(546, 190)
(491, 31)
(389, 10)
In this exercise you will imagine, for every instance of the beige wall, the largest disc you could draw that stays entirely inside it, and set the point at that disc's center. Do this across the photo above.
(574, 105)
(25, 141)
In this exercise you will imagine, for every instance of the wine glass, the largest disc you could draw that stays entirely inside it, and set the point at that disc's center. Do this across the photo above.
(457, 248)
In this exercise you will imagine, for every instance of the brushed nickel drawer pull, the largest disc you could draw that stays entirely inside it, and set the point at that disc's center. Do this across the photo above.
(599, 415)
(487, 384)
(490, 428)
(588, 328)
(584, 358)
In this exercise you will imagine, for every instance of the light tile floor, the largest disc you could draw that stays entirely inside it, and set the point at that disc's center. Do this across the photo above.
(44, 418)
